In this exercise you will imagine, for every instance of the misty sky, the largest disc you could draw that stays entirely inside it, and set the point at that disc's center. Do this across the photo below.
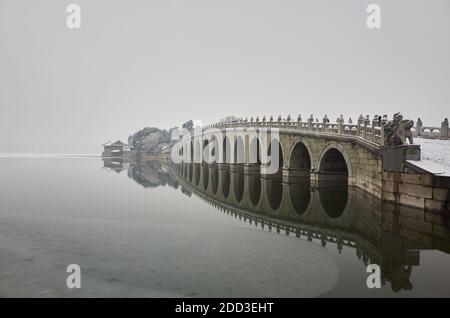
(159, 63)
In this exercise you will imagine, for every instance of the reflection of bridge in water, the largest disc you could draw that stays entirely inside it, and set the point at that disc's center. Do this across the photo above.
(381, 233)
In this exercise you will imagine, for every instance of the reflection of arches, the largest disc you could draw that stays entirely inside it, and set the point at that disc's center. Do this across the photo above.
(206, 154)
(274, 192)
(180, 153)
(334, 160)
(197, 152)
(213, 153)
(226, 183)
(191, 170)
(197, 168)
(300, 157)
(254, 188)
(255, 151)
(239, 150)
(300, 195)
(277, 159)
(214, 178)
(238, 186)
(205, 174)
(334, 199)
(398, 274)
(226, 150)
(186, 167)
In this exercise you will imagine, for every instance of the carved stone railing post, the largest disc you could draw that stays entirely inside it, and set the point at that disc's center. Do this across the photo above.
(419, 125)
(374, 124)
(310, 122)
(366, 123)
(325, 121)
(384, 120)
(340, 122)
(299, 121)
(360, 121)
(444, 128)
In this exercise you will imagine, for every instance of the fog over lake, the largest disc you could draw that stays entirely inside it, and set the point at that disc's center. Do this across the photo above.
(159, 63)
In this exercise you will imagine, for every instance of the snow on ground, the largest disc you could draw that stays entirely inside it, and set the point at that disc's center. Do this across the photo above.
(435, 155)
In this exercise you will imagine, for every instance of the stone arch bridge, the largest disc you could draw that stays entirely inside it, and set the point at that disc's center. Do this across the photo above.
(372, 155)
(348, 152)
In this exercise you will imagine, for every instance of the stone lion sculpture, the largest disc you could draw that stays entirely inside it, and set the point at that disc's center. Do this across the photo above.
(397, 131)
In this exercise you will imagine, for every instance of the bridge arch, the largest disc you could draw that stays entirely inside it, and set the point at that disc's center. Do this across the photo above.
(275, 143)
(301, 156)
(181, 153)
(255, 153)
(205, 154)
(226, 150)
(213, 151)
(191, 162)
(198, 161)
(334, 159)
(239, 150)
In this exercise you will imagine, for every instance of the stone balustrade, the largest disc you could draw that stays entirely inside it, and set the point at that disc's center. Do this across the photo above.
(366, 128)
(419, 130)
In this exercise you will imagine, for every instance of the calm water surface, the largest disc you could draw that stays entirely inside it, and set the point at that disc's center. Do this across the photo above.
(150, 229)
